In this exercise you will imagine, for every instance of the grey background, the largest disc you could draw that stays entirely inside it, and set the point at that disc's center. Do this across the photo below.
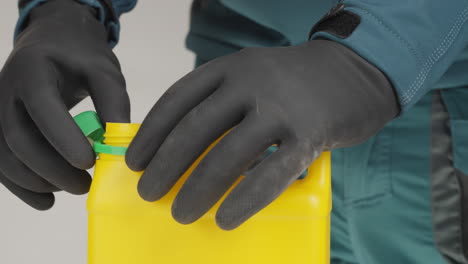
(153, 56)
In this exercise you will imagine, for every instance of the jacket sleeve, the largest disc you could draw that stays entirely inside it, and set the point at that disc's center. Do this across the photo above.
(412, 42)
(109, 14)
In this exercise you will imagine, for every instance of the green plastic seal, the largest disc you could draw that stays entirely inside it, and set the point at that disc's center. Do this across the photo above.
(92, 128)
(107, 149)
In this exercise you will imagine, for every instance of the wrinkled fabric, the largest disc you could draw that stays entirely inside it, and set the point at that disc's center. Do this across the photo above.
(112, 24)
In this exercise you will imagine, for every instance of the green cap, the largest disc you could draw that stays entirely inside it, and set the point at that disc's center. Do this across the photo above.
(92, 128)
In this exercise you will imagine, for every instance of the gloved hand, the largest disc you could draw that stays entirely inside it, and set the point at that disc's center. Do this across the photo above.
(58, 60)
(307, 99)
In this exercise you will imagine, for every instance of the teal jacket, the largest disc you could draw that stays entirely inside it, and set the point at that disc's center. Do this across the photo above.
(419, 45)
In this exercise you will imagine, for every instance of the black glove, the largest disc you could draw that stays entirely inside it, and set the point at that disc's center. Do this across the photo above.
(307, 99)
(58, 60)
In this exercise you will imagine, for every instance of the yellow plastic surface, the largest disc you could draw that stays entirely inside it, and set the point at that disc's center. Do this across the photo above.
(124, 229)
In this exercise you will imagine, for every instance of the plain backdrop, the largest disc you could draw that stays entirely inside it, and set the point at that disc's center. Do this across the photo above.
(153, 56)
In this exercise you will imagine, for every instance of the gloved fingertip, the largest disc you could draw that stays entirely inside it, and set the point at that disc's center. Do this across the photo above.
(80, 184)
(181, 215)
(182, 219)
(39, 201)
(44, 204)
(121, 116)
(82, 190)
(227, 221)
(115, 108)
(84, 161)
(133, 159)
(79, 153)
(226, 225)
(147, 191)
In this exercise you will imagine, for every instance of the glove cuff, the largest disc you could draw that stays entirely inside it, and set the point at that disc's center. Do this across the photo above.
(106, 14)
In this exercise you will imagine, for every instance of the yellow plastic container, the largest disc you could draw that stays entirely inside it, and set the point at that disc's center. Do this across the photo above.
(124, 229)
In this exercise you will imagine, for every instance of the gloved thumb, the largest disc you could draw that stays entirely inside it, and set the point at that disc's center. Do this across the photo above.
(109, 94)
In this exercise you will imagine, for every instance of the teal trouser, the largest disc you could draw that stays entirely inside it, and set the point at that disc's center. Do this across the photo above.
(402, 196)
(398, 198)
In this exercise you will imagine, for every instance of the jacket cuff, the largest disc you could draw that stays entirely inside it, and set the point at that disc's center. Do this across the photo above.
(411, 67)
(123, 6)
(108, 13)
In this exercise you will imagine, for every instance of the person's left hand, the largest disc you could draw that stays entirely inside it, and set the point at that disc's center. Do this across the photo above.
(305, 99)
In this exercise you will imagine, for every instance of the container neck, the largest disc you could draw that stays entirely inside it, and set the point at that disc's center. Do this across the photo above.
(120, 134)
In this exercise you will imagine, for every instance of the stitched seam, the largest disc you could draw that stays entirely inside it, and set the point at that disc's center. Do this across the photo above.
(435, 56)
(388, 28)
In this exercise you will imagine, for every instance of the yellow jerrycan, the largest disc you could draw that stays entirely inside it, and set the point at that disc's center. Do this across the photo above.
(125, 229)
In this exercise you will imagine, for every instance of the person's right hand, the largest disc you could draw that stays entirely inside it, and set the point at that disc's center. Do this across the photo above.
(60, 58)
